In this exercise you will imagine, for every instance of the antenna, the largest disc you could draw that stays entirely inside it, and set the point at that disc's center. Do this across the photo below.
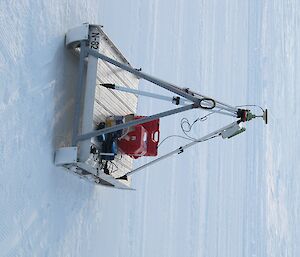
(246, 115)
(264, 116)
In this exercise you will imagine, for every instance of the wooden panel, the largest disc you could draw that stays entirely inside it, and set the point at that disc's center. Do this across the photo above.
(109, 102)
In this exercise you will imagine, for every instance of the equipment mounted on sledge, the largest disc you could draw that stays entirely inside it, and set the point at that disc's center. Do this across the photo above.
(93, 152)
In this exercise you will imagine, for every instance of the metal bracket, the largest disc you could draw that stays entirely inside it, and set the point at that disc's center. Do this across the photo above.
(65, 155)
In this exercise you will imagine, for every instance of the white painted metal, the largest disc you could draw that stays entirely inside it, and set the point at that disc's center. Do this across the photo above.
(115, 69)
(231, 131)
(90, 87)
(98, 105)
(108, 102)
(65, 155)
(118, 183)
(75, 35)
(153, 95)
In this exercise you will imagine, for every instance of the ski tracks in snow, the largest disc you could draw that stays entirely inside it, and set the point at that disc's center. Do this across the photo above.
(40, 204)
(18, 224)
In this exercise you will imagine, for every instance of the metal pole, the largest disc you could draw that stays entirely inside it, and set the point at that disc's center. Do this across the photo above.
(181, 148)
(89, 96)
(165, 98)
(231, 108)
(135, 122)
(79, 91)
(221, 111)
(145, 93)
(188, 94)
(161, 83)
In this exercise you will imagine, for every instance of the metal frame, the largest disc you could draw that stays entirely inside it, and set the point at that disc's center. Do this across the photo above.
(193, 97)
(174, 100)
(181, 149)
(86, 37)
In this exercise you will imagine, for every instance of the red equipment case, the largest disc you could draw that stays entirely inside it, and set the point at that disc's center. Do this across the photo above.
(142, 141)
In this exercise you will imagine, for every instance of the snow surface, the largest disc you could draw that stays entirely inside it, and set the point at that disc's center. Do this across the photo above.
(222, 198)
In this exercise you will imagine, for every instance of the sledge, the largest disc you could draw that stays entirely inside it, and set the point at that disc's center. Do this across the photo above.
(107, 133)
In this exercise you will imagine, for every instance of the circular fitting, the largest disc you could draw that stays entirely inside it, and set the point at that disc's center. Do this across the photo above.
(207, 103)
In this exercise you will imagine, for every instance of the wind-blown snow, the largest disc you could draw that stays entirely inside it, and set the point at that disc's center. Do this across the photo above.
(234, 197)
(280, 55)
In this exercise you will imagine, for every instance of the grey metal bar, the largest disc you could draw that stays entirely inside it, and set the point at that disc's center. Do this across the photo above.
(89, 94)
(230, 108)
(168, 86)
(165, 98)
(100, 174)
(148, 94)
(223, 112)
(79, 91)
(135, 122)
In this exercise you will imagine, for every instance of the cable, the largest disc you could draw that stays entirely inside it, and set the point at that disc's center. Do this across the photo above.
(112, 166)
(185, 122)
(250, 105)
(173, 136)
(204, 118)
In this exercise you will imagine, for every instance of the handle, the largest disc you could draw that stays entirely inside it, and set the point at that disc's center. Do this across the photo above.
(153, 136)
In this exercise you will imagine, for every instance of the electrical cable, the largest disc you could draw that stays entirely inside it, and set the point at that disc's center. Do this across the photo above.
(112, 166)
(173, 136)
(185, 122)
(250, 105)
(205, 117)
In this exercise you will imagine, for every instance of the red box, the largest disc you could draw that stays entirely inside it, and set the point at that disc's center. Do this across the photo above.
(142, 141)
